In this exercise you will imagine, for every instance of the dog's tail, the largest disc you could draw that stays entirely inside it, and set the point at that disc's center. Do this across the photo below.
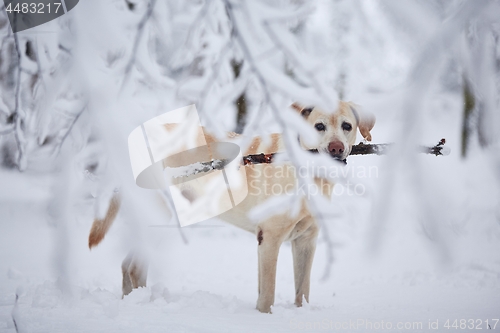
(101, 226)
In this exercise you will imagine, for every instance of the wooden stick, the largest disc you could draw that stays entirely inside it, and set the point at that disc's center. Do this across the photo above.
(360, 149)
(382, 149)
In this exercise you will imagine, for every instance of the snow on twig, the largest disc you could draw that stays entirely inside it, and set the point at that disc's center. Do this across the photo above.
(422, 75)
(138, 36)
(68, 131)
(290, 148)
(18, 113)
(14, 313)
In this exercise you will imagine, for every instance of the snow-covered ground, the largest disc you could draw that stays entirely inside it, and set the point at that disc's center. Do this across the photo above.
(210, 284)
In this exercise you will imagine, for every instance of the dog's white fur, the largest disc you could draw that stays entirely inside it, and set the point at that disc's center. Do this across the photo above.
(336, 139)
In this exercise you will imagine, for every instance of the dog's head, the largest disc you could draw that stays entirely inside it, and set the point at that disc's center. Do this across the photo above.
(337, 130)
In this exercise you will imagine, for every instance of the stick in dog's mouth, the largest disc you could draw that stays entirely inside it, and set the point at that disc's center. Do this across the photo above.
(361, 149)
(219, 164)
(198, 167)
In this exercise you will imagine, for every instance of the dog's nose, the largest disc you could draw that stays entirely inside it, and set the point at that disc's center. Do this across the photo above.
(336, 147)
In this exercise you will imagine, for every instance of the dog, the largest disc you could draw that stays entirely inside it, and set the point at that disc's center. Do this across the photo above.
(337, 135)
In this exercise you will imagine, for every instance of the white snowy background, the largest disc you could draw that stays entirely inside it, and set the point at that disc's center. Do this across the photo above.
(420, 244)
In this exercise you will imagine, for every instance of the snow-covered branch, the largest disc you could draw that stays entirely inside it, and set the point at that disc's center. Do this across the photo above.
(140, 30)
(278, 116)
(18, 113)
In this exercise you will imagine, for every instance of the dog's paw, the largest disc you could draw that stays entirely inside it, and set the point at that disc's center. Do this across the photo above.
(263, 307)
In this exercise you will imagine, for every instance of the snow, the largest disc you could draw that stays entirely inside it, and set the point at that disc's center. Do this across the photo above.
(420, 245)
(210, 284)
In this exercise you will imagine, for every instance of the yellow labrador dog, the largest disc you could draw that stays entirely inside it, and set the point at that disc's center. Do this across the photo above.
(337, 131)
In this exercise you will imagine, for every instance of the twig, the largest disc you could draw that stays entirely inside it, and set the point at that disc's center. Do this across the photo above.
(58, 149)
(18, 114)
(14, 312)
(140, 29)
(438, 150)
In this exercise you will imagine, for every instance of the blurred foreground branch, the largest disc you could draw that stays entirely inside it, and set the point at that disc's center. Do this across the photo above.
(18, 112)
(138, 36)
(262, 79)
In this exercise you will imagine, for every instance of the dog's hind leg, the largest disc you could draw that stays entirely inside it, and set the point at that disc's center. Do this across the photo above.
(135, 272)
(303, 248)
(126, 282)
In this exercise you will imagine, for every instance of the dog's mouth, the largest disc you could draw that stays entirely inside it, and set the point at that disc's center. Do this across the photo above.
(337, 157)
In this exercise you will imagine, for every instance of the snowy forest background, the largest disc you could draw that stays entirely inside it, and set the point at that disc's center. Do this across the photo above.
(420, 244)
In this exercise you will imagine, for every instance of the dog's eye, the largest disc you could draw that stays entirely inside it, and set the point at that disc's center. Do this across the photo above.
(346, 126)
(320, 127)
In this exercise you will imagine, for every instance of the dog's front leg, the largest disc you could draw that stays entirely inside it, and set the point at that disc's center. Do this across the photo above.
(303, 248)
(268, 248)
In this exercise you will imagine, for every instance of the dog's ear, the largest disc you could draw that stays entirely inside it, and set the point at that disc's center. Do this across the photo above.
(304, 111)
(365, 120)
